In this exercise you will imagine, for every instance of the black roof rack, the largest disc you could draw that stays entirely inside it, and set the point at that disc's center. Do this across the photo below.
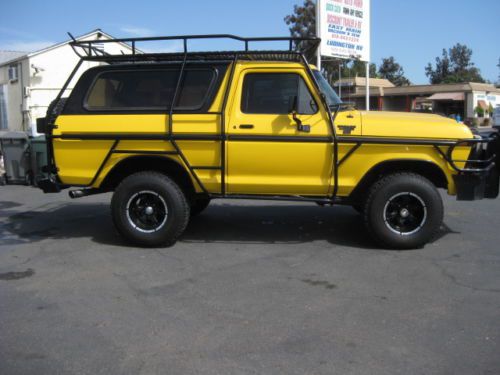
(88, 49)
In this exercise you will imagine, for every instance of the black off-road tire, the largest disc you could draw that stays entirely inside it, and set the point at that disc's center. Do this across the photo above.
(423, 203)
(155, 190)
(199, 205)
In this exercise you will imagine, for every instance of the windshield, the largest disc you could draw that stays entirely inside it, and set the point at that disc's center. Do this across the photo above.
(324, 86)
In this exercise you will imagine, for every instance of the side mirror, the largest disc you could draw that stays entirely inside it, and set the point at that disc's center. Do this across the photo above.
(292, 105)
(293, 110)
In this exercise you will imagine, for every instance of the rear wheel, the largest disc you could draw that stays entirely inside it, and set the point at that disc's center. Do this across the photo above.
(403, 211)
(149, 209)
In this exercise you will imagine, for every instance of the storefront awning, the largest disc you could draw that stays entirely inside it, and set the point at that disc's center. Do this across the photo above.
(456, 96)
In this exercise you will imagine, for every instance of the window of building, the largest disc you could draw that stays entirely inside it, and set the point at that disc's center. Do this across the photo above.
(3, 107)
(13, 73)
(149, 89)
(274, 93)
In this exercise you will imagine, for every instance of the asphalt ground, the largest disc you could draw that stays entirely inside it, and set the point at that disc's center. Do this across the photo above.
(250, 288)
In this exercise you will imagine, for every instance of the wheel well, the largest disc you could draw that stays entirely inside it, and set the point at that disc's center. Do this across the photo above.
(427, 169)
(160, 164)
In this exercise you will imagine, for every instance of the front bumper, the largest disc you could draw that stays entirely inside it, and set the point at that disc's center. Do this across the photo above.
(479, 178)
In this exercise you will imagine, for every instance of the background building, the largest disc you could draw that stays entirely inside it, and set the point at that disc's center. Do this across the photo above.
(30, 81)
(460, 99)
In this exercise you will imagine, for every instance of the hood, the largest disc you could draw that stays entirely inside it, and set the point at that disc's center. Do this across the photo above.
(412, 125)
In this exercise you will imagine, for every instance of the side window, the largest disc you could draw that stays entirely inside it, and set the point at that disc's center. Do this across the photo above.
(195, 87)
(273, 93)
(149, 89)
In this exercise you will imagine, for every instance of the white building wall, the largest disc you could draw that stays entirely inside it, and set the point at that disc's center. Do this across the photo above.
(53, 67)
(41, 77)
(57, 65)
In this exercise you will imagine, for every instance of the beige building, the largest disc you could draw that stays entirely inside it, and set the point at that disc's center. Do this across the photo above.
(447, 99)
(30, 81)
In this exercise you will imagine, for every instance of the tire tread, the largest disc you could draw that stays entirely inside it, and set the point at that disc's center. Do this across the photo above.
(373, 191)
(180, 196)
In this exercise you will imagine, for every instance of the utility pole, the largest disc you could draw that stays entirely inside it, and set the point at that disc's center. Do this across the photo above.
(367, 86)
(318, 32)
(340, 79)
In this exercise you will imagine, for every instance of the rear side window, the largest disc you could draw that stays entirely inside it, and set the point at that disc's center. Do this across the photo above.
(149, 89)
(273, 93)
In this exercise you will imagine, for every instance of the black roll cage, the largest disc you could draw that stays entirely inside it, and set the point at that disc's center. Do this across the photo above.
(87, 50)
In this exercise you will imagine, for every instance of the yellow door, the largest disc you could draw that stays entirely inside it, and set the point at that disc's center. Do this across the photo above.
(267, 153)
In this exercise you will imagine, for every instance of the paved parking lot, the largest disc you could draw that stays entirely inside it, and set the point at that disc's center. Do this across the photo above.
(251, 288)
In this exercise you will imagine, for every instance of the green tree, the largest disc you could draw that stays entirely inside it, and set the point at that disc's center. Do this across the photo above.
(454, 66)
(302, 24)
(393, 71)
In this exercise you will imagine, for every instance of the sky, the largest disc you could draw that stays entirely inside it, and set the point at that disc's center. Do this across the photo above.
(414, 32)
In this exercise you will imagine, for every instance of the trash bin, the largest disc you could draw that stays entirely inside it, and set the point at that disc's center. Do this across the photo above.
(16, 158)
(38, 157)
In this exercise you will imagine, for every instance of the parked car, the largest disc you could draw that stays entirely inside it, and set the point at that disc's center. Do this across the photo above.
(166, 133)
(496, 117)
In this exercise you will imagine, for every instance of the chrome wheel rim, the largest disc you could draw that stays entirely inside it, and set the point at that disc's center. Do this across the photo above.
(405, 213)
(147, 211)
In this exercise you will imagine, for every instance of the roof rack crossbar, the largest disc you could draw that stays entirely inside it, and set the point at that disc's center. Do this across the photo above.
(91, 52)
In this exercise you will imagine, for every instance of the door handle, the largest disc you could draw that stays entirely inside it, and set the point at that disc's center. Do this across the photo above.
(246, 126)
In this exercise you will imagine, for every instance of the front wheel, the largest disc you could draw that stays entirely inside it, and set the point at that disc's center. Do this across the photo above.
(149, 209)
(403, 211)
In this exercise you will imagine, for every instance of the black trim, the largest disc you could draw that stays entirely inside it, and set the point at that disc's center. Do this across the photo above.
(215, 168)
(139, 137)
(101, 167)
(279, 138)
(144, 152)
(298, 138)
(396, 141)
(197, 137)
(223, 123)
(348, 154)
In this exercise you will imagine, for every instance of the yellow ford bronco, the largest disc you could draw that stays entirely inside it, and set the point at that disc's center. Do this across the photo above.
(168, 132)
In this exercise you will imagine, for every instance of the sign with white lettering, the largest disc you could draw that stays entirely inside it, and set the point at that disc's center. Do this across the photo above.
(345, 28)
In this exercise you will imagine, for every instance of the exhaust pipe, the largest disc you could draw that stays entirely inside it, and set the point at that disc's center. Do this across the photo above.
(80, 193)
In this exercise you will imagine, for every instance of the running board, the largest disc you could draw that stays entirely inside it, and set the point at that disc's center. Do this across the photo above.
(285, 198)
